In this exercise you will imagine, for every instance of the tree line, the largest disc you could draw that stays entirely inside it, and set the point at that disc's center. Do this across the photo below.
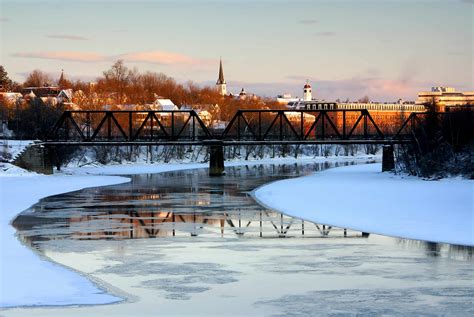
(117, 86)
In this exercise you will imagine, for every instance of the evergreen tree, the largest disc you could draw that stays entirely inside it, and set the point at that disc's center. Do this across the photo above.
(5, 81)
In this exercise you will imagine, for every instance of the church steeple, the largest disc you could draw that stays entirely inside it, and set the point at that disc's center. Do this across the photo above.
(221, 84)
(61, 80)
(221, 79)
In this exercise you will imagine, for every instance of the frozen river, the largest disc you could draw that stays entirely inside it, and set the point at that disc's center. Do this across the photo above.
(182, 243)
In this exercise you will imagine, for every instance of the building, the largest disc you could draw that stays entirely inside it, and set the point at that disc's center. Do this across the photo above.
(385, 115)
(161, 104)
(51, 95)
(443, 97)
(221, 84)
(307, 92)
(284, 99)
(243, 94)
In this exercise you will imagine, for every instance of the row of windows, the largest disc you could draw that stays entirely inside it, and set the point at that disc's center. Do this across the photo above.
(393, 107)
(379, 107)
(320, 106)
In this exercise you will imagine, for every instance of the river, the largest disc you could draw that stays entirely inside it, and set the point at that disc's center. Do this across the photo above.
(184, 243)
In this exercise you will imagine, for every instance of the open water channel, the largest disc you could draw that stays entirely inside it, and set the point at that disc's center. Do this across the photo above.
(182, 243)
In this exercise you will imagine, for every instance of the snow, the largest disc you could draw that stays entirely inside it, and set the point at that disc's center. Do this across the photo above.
(363, 198)
(26, 278)
(10, 149)
(146, 168)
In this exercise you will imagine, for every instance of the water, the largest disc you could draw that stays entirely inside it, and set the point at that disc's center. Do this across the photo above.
(182, 243)
(182, 203)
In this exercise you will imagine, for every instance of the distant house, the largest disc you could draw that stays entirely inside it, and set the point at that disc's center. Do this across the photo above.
(65, 95)
(161, 104)
(10, 97)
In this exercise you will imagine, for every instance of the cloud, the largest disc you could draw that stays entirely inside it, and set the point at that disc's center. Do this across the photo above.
(67, 37)
(65, 56)
(161, 57)
(152, 57)
(376, 87)
(308, 21)
(327, 33)
(3, 19)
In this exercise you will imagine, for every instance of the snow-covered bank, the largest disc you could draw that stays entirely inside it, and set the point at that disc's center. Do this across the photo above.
(362, 198)
(25, 278)
(146, 168)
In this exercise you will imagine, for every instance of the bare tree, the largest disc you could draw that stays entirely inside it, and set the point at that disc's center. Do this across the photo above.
(38, 78)
(117, 78)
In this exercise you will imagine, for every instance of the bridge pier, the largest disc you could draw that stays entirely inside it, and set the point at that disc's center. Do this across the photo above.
(216, 158)
(36, 158)
(388, 159)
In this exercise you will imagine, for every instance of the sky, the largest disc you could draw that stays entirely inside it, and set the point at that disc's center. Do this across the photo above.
(346, 49)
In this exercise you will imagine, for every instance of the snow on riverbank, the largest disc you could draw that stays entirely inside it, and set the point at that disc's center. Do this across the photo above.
(362, 198)
(145, 168)
(25, 278)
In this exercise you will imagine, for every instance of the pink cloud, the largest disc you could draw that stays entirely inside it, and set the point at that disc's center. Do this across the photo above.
(154, 57)
(377, 88)
(65, 56)
(161, 57)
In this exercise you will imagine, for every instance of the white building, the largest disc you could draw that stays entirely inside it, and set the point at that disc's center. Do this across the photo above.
(286, 98)
(442, 97)
(307, 92)
(161, 104)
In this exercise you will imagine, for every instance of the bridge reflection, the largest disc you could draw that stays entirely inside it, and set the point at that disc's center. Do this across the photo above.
(185, 203)
(136, 224)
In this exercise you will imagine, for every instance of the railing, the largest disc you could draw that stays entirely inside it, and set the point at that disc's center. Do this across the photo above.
(301, 125)
(89, 126)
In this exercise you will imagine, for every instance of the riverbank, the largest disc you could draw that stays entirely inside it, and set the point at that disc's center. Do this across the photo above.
(26, 278)
(152, 168)
(362, 198)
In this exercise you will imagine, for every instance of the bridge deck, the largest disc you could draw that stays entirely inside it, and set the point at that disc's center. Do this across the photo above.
(225, 142)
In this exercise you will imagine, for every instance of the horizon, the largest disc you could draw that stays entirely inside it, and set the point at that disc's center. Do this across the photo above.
(385, 51)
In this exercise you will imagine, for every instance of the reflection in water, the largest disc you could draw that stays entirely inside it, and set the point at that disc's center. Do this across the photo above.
(182, 203)
(433, 249)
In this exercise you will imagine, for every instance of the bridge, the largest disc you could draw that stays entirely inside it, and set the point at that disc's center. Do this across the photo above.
(246, 127)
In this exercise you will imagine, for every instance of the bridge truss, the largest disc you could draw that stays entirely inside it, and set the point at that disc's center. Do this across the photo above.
(255, 127)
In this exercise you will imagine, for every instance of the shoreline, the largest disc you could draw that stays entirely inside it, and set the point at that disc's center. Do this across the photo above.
(20, 265)
(421, 219)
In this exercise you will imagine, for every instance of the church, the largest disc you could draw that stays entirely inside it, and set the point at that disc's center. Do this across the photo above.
(221, 86)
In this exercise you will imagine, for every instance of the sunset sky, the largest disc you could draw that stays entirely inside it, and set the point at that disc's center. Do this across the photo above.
(347, 49)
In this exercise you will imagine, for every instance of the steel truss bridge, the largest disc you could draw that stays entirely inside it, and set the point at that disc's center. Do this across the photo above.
(247, 127)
